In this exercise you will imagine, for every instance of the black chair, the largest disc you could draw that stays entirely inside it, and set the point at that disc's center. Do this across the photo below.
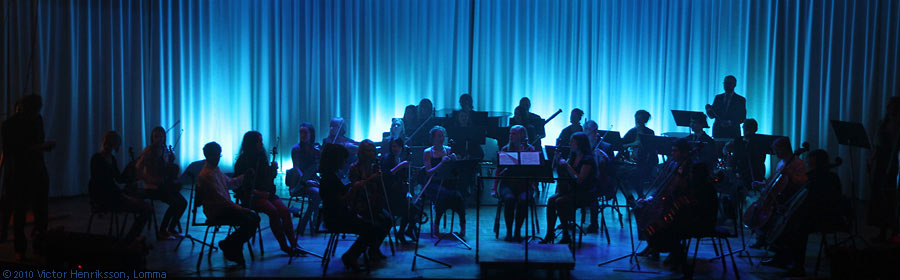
(331, 247)
(114, 223)
(197, 203)
(532, 210)
(837, 227)
(717, 236)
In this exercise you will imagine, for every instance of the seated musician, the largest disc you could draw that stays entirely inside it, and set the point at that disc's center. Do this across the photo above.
(442, 190)
(303, 180)
(578, 189)
(574, 126)
(823, 209)
(369, 202)
(258, 193)
(707, 154)
(105, 192)
(336, 200)
(602, 152)
(778, 192)
(157, 168)
(337, 128)
(423, 120)
(645, 159)
(515, 195)
(395, 181)
(533, 123)
(679, 178)
(212, 193)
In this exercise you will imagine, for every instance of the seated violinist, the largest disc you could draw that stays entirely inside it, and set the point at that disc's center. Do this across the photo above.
(579, 188)
(157, 168)
(336, 200)
(369, 202)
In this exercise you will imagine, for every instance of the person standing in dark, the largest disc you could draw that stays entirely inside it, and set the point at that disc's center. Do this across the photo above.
(26, 182)
(336, 200)
(645, 159)
(729, 109)
(575, 126)
(105, 192)
(883, 170)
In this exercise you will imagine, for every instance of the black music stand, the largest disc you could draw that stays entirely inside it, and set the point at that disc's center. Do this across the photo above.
(852, 135)
(763, 142)
(189, 177)
(614, 138)
(452, 172)
(523, 164)
(683, 118)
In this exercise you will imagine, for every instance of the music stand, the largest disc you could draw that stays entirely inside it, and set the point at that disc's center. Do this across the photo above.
(763, 142)
(661, 145)
(683, 118)
(476, 118)
(852, 135)
(614, 138)
(451, 172)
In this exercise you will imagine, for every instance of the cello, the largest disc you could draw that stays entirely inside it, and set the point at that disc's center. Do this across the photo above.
(761, 211)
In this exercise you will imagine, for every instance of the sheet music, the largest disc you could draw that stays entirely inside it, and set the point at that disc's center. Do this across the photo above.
(530, 158)
(509, 158)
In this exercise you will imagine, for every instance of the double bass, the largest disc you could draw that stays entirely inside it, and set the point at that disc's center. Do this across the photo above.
(762, 210)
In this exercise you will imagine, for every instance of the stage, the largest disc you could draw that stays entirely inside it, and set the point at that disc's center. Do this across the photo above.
(499, 259)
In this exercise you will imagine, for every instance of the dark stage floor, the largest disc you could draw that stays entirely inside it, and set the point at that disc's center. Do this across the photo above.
(73, 214)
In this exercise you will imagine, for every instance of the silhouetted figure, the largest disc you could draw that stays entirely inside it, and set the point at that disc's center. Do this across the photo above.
(258, 193)
(370, 202)
(575, 126)
(824, 208)
(644, 159)
(337, 129)
(534, 124)
(336, 201)
(577, 186)
(395, 168)
(302, 179)
(212, 193)
(442, 189)
(729, 109)
(26, 181)
(157, 168)
(104, 190)
(883, 175)
(516, 195)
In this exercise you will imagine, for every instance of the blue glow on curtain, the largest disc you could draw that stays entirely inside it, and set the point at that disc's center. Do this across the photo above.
(222, 68)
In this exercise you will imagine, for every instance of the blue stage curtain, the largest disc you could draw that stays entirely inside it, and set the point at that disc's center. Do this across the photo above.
(222, 68)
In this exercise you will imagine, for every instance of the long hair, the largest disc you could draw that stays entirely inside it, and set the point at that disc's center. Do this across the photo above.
(582, 143)
(312, 131)
(248, 145)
